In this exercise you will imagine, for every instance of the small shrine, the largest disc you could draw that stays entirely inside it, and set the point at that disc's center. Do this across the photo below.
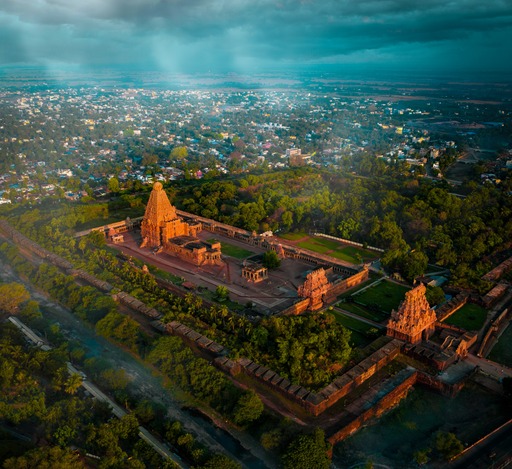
(114, 236)
(254, 272)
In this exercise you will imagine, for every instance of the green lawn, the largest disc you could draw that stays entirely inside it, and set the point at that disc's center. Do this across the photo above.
(351, 323)
(470, 317)
(233, 251)
(352, 254)
(502, 351)
(328, 243)
(387, 295)
(312, 245)
(341, 254)
(293, 236)
(358, 329)
(354, 251)
(360, 310)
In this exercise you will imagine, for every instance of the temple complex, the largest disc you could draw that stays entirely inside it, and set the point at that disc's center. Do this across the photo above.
(162, 228)
(415, 319)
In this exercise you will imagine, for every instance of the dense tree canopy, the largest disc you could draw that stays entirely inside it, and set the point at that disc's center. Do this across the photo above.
(12, 295)
(307, 451)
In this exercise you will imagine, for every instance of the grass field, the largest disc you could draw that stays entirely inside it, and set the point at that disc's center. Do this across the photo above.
(384, 296)
(293, 236)
(358, 329)
(387, 295)
(351, 323)
(352, 254)
(233, 251)
(360, 310)
(502, 351)
(470, 317)
(312, 245)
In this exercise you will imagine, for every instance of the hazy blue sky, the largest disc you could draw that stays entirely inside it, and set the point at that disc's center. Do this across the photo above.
(243, 36)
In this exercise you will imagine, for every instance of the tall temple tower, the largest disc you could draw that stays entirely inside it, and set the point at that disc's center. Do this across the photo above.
(162, 228)
(160, 222)
(415, 319)
(159, 212)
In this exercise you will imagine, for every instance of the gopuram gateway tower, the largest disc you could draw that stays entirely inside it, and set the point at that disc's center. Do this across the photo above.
(415, 320)
(163, 229)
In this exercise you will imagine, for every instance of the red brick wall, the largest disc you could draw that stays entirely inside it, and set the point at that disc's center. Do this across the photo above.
(388, 401)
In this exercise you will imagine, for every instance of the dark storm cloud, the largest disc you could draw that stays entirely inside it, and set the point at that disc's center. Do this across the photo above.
(240, 33)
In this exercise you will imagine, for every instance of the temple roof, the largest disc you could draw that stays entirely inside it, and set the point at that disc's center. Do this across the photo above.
(159, 208)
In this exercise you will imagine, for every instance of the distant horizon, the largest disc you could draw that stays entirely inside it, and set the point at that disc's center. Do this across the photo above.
(299, 72)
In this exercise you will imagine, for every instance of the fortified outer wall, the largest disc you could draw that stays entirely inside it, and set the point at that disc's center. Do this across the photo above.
(296, 308)
(447, 309)
(445, 389)
(92, 280)
(492, 334)
(346, 283)
(192, 337)
(496, 273)
(495, 294)
(354, 377)
(316, 403)
(392, 398)
(388, 401)
(137, 305)
(33, 247)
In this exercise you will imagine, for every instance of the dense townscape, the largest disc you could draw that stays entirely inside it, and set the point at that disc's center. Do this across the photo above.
(72, 141)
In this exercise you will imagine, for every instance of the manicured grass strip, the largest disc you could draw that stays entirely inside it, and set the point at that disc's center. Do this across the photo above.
(387, 295)
(293, 236)
(364, 253)
(351, 323)
(360, 310)
(345, 257)
(328, 243)
(234, 251)
(502, 351)
(314, 246)
(470, 317)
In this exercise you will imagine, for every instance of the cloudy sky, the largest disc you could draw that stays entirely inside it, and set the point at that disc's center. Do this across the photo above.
(243, 36)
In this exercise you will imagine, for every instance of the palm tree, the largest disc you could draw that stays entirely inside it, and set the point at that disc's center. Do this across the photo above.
(73, 383)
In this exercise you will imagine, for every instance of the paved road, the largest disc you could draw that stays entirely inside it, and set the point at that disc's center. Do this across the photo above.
(495, 451)
(490, 368)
